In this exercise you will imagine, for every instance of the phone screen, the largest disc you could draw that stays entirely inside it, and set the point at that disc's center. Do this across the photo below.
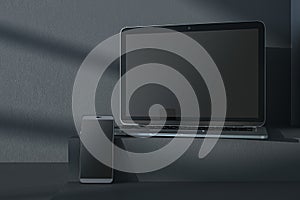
(90, 167)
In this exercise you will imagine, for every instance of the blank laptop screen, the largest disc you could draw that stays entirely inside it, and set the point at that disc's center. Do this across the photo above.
(236, 52)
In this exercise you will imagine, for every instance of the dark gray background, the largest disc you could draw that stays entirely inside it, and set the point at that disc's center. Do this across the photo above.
(42, 44)
(295, 70)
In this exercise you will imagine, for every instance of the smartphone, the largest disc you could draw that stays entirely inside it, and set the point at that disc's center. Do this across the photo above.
(91, 169)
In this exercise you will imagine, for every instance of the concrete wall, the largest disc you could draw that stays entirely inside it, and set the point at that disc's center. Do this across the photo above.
(295, 31)
(42, 44)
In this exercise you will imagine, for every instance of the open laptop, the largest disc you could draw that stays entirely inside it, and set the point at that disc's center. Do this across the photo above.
(238, 50)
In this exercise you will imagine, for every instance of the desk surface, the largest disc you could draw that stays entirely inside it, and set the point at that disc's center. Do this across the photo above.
(276, 159)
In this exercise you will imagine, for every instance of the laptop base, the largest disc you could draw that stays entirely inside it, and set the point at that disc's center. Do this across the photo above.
(239, 133)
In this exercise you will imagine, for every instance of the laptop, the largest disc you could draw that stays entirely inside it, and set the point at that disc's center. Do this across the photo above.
(237, 49)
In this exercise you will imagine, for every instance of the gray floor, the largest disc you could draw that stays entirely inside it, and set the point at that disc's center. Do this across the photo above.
(180, 191)
(49, 181)
(34, 181)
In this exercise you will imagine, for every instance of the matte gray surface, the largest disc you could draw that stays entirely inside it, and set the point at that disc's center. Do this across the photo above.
(241, 160)
(42, 44)
(31, 181)
(179, 191)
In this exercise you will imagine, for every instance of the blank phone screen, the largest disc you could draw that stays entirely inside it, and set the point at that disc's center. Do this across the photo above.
(90, 167)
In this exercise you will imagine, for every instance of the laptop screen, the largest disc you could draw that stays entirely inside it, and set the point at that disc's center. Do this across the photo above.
(237, 49)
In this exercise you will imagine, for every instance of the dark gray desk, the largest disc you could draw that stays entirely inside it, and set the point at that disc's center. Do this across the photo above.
(235, 169)
(276, 159)
(232, 160)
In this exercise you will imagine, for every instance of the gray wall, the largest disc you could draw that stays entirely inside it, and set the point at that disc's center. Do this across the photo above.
(42, 44)
(295, 23)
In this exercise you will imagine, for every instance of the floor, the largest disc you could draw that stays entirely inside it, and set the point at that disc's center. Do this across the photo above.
(181, 190)
(50, 181)
(34, 181)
